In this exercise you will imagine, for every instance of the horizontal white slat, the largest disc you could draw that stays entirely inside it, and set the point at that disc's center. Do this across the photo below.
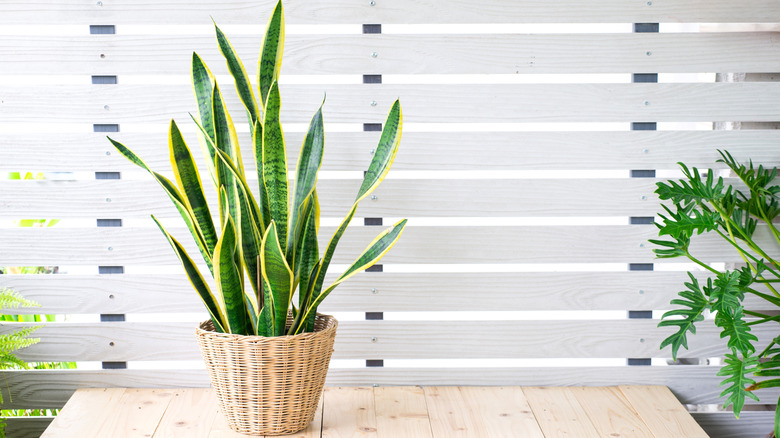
(128, 341)
(396, 11)
(692, 384)
(374, 292)
(724, 425)
(395, 197)
(685, 102)
(418, 244)
(402, 54)
(420, 150)
(26, 427)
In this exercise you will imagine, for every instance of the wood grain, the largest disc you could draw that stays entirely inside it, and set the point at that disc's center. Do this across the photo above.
(422, 103)
(421, 151)
(559, 413)
(404, 54)
(401, 411)
(451, 414)
(348, 412)
(611, 413)
(394, 340)
(190, 414)
(136, 415)
(84, 412)
(397, 11)
(502, 409)
(395, 197)
(657, 408)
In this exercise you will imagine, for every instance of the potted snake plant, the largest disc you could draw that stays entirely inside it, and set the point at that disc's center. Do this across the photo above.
(267, 357)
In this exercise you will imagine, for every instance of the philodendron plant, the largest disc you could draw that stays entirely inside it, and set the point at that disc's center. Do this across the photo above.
(268, 240)
(704, 204)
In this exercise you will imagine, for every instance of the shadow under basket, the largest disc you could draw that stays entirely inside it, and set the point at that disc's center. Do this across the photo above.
(268, 385)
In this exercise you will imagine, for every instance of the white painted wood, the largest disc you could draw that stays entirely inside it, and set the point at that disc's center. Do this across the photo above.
(395, 197)
(404, 54)
(724, 425)
(419, 245)
(396, 11)
(421, 150)
(511, 103)
(388, 340)
(26, 427)
(374, 292)
(692, 384)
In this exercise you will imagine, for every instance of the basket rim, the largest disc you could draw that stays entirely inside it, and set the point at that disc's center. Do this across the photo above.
(330, 323)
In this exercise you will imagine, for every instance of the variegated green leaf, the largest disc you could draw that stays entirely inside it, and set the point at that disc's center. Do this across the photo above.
(249, 226)
(275, 164)
(278, 275)
(262, 199)
(267, 322)
(229, 279)
(309, 163)
(227, 142)
(178, 200)
(186, 172)
(372, 254)
(236, 68)
(214, 305)
(385, 152)
(203, 84)
(270, 62)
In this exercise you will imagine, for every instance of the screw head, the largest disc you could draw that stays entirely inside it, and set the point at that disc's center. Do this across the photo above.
(374, 54)
(647, 103)
(649, 3)
(372, 151)
(372, 3)
(374, 291)
(110, 248)
(111, 297)
(641, 339)
(641, 245)
(108, 199)
(645, 151)
(374, 198)
(648, 53)
(644, 197)
(100, 3)
(641, 292)
(108, 152)
(106, 107)
(102, 55)
(373, 103)
(373, 339)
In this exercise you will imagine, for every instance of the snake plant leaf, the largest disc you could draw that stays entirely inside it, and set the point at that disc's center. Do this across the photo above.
(306, 251)
(372, 254)
(270, 62)
(236, 68)
(309, 164)
(250, 226)
(227, 141)
(275, 164)
(385, 152)
(186, 172)
(214, 305)
(203, 85)
(262, 192)
(267, 321)
(305, 297)
(229, 279)
(278, 275)
(178, 200)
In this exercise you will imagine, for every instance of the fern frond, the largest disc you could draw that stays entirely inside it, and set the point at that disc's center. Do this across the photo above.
(10, 299)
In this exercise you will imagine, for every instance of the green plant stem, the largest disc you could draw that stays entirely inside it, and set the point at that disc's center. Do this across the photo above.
(745, 255)
(700, 263)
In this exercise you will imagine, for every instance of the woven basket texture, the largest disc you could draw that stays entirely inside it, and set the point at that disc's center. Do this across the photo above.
(268, 385)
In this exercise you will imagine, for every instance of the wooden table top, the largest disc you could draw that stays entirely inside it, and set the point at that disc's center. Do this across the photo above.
(403, 411)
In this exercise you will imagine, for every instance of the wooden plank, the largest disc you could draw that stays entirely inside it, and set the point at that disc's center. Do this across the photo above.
(425, 11)
(26, 427)
(87, 410)
(404, 54)
(451, 414)
(190, 414)
(220, 428)
(559, 413)
(348, 412)
(401, 411)
(419, 245)
(724, 425)
(374, 292)
(137, 414)
(611, 413)
(422, 103)
(693, 384)
(502, 409)
(601, 150)
(662, 412)
(395, 197)
(387, 340)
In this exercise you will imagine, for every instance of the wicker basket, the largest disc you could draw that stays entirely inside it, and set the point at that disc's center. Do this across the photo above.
(268, 385)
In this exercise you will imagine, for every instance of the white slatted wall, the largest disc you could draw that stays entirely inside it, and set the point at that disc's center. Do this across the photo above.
(525, 185)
